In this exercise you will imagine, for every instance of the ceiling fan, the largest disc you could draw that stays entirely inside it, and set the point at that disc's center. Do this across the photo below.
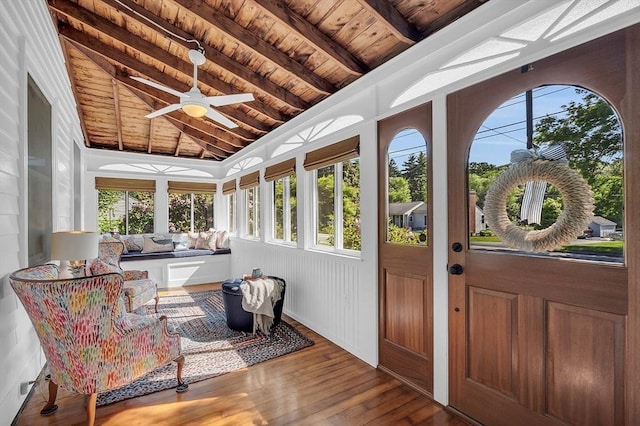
(193, 102)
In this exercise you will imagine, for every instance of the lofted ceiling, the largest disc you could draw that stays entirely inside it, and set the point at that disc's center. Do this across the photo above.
(290, 54)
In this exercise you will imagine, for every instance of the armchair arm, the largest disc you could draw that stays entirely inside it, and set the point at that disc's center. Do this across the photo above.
(135, 275)
(142, 344)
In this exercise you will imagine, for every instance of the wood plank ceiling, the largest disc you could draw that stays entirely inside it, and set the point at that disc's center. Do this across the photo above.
(290, 54)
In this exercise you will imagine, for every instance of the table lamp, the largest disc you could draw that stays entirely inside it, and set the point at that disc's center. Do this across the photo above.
(72, 248)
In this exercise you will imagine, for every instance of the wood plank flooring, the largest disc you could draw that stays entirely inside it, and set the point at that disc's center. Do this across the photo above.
(320, 385)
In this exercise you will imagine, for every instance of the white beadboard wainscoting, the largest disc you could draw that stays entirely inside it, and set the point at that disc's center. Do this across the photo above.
(335, 296)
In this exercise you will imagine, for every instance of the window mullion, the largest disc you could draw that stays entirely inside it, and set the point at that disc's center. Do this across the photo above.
(286, 207)
(126, 212)
(191, 216)
(338, 203)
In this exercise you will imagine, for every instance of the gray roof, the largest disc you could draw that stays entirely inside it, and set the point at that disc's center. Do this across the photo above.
(399, 209)
(599, 220)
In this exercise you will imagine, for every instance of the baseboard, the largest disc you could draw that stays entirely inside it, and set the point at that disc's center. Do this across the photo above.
(14, 422)
(463, 416)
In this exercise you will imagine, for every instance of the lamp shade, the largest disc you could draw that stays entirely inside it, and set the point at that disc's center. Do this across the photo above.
(194, 109)
(74, 245)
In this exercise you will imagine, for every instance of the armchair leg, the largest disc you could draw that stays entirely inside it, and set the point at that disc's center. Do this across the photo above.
(91, 408)
(182, 386)
(51, 406)
(156, 307)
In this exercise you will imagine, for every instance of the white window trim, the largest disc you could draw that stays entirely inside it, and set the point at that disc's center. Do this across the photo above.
(232, 207)
(338, 247)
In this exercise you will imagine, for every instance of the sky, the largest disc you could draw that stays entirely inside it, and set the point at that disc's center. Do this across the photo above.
(502, 132)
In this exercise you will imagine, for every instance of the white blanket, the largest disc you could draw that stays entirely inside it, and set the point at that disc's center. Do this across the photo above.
(259, 296)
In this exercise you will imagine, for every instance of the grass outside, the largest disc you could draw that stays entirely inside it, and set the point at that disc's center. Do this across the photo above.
(600, 247)
(491, 239)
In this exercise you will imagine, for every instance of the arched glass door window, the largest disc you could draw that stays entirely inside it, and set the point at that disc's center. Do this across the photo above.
(590, 132)
(407, 189)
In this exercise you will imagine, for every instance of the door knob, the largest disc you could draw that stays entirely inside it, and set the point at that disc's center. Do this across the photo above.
(456, 269)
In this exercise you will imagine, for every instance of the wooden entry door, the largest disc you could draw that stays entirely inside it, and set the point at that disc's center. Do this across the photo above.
(405, 274)
(540, 340)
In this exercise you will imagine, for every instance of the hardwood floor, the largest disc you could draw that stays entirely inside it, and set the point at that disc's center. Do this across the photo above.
(320, 385)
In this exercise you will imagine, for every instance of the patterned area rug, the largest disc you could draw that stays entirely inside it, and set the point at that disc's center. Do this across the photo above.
(210, 347)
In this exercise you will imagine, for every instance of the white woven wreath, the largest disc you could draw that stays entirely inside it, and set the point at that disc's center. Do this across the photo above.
(577, 200)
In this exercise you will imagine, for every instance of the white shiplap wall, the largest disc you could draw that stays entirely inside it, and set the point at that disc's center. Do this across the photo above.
(335, 296)
(29, 46)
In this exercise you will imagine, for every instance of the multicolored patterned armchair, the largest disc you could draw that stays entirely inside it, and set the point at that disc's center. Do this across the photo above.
(90, 342)
(138, 287)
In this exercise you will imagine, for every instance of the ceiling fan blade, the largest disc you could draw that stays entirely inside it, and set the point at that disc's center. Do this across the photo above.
(216, 116)
(168, 108)
(157, 86)
(229, 99)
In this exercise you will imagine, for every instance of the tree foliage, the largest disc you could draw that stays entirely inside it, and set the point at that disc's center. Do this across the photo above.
(592, 137)
(415, 172)
(399, 190)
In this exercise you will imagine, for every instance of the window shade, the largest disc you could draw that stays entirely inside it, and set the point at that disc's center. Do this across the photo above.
(250, 180)
(280, 170)
(229, 187)
(192, 187)
(119, 184)
(332, 154)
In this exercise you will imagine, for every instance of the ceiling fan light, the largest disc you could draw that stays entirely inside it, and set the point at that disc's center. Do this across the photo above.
(194, 110)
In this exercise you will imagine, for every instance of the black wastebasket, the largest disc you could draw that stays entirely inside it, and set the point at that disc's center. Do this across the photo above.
(239, 319)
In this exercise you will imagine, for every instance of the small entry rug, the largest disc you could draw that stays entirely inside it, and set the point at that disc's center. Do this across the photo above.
(209, 346)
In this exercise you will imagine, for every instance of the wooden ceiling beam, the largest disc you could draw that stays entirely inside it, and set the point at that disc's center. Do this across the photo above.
(204, 141)
(202, 138)
(250, 41)
(101, 54)
(257, 82)
(116, 104)
(72, 78)
(180, 136)
(384, 11)
(316, 38)
(121, 35)
(150, 141)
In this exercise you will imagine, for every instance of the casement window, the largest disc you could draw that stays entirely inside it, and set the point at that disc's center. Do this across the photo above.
(283, 186)
(229, 191)
(190, 206)
(336, 192)
(125, 206)
(250, 186)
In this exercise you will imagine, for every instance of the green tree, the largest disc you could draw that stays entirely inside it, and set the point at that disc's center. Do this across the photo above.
(140, 212)
(279, 207)
(399, 190)
(394, 171)
(400, 235)
(592, 137)
(415, 172)
(481, 176)
(180, 211)
(107, 202)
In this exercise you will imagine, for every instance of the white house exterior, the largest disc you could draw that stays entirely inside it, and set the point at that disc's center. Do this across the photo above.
(601, 227)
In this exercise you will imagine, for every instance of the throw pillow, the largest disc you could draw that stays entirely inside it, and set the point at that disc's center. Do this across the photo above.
(131, 245)
(156, 245)
(99, 267)
(222, 240)
(116, 237)
(192, 239)
(203, 240)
